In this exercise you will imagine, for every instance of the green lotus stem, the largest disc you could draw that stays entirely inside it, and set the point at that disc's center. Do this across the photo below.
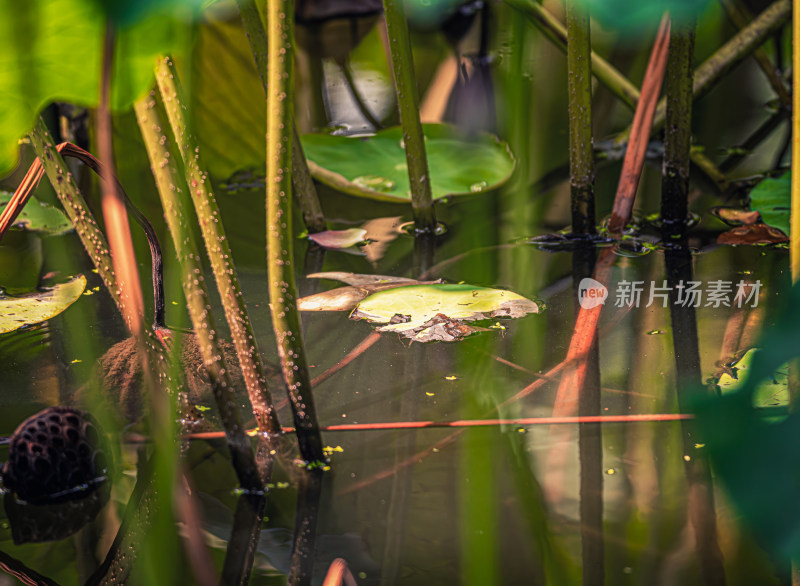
(606, 74)
(579, 92)
(216, 241)
(677, 142)
(167, 180)
(304, 188)
(408, 104)
(282, 288)
(93, 239)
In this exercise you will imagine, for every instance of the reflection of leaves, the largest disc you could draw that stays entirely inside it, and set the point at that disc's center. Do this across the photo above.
(52, 51)
(772, 391)
(38, 216)
(771, 198)
(437, 312)
(752, 234)
(758, 458)
(339, 238)
(375, 167)
(16, 312)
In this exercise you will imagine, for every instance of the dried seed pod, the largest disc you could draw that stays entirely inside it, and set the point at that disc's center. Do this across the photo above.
(57, 455)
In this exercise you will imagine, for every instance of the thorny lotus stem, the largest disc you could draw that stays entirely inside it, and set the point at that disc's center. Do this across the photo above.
(408, 105)
(216, 241)
(608, 75)
(581, 154)
(304, 187)
(678, 135)
(78, 212)
(194, 289)
(34, 175)
(282, 288)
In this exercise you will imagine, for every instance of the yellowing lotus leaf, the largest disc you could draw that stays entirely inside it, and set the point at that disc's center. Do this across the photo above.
(32, 308)
(437, 312)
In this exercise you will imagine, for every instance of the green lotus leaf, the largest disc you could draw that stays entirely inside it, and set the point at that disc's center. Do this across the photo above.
(51, 50)
(772, 199)
(33, 308)
(39, 217)
(437, 312)
(375, 167)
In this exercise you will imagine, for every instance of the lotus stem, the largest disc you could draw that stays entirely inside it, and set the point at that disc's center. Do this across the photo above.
(166, 175)
(579, 92)
(677, 139)
(93, 239)
(304, 189)
(217, 246)
(408, 105)
(280, 265)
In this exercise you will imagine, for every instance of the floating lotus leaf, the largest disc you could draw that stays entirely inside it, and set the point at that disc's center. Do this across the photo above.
(38, 216)
(438, 312)
(772, 199)
(16, 312)
(360, 287)
(752, 234)
(375, 167)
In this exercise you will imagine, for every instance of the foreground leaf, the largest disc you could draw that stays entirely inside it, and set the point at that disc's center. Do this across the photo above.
(375, 167)
(25, 310)
(51, 51)
(38, 216)
(438, 312)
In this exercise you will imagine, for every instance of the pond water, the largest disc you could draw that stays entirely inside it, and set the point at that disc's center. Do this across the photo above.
(517, 499)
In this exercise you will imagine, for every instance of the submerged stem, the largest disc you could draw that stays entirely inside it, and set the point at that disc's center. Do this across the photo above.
(282, 288)
(408, 105)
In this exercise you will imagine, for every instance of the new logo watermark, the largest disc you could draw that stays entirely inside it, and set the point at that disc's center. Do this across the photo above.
(713, 294)
(591, 293)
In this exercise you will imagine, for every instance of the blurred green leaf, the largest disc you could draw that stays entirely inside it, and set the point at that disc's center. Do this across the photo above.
(772, 199)
(39, 217)
(375, 167)
(33, 308)
(632, 15)
(51, 50)
(758, 458)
